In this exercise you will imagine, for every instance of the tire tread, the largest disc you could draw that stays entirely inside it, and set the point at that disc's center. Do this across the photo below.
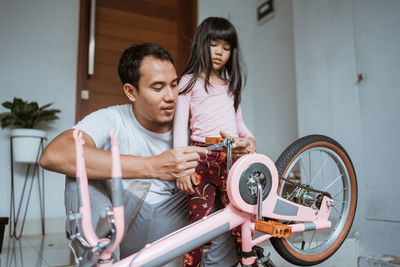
(281, 164)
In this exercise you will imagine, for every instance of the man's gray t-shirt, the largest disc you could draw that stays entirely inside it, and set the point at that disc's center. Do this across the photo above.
(164, 208)
(133, 140)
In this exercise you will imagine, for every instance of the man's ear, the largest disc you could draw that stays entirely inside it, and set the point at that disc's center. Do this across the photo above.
(130, 91)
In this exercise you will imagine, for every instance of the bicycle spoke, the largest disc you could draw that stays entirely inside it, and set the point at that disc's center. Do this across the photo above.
(320, 169)
(301, 164)
(333, 169)
(338, 200)
(344, 190)
(312, 237)
(309, 164)
(291, 193)
(326, 188)
(288, 196)
(335, 209)
(322, 173)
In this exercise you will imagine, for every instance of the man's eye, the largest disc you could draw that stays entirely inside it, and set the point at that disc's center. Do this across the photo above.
(157, 88)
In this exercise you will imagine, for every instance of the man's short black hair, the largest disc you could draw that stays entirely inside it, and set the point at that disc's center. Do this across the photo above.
(131, 58)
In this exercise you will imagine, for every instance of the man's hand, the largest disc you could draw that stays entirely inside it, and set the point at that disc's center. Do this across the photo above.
(242, 146)
(185, 184)
(176, 163)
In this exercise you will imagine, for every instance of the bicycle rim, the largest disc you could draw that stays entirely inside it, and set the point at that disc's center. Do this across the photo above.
(321, 163)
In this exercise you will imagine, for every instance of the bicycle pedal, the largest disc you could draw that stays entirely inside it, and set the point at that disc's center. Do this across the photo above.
(273, 228)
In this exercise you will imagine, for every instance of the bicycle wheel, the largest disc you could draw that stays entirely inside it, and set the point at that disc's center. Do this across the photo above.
(317, 163)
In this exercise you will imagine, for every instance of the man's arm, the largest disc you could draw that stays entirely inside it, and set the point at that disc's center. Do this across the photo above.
(59, 156)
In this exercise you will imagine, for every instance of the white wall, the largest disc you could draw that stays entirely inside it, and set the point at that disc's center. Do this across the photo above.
(334, 41)
(269, 99)
(38, 52)
(274, 94)
(327, 92)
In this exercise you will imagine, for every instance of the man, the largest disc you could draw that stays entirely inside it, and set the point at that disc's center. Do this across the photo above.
(149, 165)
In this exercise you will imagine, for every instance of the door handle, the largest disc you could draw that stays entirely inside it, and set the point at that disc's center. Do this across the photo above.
(92, 34)
(361, 77)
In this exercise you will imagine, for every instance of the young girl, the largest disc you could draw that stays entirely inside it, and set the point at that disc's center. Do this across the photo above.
(209, 99)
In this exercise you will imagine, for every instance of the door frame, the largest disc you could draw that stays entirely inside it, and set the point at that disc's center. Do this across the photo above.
(187, 16)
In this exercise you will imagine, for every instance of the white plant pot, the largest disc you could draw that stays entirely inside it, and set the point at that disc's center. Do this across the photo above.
(26, 144)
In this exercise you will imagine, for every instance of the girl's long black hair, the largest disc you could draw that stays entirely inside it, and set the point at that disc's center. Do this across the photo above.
(214, 28)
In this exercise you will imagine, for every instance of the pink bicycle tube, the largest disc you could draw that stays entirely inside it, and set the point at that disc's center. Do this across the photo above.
(117, 215)
(84, 205)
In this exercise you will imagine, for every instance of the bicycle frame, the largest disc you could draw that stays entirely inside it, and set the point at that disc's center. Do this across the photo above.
(238, 212)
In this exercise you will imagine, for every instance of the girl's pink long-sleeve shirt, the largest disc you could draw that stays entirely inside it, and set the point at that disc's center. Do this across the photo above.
(209, 113)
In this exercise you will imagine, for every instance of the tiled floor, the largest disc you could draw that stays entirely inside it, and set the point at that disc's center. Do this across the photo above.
(48, 250)
(52, 250)
(42, 251)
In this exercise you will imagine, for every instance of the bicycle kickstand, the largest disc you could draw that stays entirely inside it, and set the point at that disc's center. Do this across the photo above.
(263, 261)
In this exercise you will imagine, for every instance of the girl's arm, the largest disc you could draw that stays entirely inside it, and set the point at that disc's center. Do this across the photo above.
(180, 135)
(246, 142)
(243, 131)
(181, 121)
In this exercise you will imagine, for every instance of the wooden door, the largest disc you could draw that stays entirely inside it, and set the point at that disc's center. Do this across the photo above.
(118, 25)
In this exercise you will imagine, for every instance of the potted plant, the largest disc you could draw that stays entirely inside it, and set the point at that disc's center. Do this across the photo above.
(25, 117)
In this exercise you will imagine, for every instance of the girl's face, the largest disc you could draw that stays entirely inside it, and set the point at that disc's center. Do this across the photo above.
(220, 53)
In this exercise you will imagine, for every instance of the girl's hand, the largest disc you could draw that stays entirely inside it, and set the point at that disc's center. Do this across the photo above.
(242, 146)
(185, 184)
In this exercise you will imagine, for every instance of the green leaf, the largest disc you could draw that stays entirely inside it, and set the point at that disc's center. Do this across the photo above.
(7, 104)
(45, 106)
(6, 121)
(19, 102)
(26, 114)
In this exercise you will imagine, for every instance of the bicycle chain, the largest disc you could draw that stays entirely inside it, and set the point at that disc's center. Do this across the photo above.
(305, 187)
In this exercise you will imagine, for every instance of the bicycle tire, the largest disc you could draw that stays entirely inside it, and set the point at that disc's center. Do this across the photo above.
(292, 159)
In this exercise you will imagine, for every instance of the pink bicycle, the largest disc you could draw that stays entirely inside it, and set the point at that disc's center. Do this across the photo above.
(305, 204)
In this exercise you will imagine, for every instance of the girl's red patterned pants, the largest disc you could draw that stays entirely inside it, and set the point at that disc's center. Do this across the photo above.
(211, 176)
